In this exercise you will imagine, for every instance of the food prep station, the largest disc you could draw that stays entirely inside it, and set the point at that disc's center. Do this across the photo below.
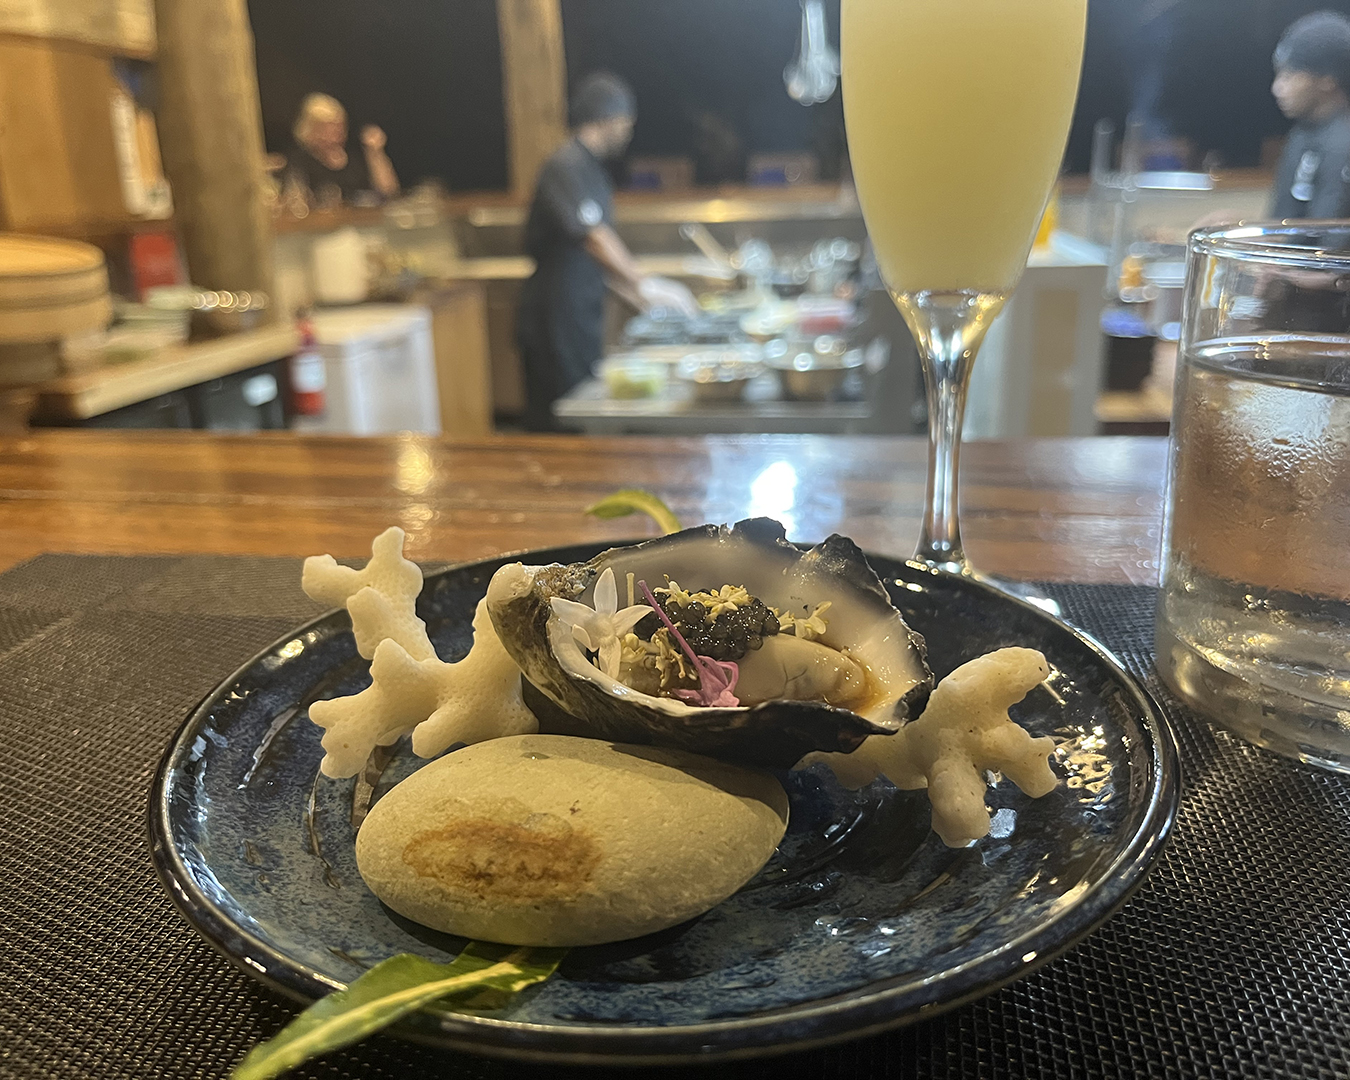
(1040, 371)
(779, 344)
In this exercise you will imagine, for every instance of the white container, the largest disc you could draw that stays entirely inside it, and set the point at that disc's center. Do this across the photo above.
(340, 267)
(1042, 363)
(381, 371)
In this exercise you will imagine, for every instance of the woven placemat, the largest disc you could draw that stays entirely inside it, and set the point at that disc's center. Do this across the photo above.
(1232, 960)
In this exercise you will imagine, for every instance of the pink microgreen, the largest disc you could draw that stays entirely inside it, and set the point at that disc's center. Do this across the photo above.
(716, 678)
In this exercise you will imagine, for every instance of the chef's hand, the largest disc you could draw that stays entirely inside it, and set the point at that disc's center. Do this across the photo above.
(373, 138)
(663, 292)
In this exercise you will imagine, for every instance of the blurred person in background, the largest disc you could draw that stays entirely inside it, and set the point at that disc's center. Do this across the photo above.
(323, 169)
(1312, 88)
(570, 235)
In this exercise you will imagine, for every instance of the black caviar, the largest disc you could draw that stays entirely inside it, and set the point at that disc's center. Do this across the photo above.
(728, 636)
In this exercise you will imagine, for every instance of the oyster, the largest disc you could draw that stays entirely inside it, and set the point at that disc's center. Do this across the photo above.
(884, 676)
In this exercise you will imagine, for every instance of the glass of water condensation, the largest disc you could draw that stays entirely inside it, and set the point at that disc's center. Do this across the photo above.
(1254, 616)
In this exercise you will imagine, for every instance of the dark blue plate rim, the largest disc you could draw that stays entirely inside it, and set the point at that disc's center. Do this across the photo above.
(857, 1014)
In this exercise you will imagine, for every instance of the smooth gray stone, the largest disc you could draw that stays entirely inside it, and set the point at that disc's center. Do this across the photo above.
(560, 841)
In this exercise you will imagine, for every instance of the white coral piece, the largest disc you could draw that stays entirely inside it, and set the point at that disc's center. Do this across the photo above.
(402, 693)
(479, 698)
(472, 701)
(963, 733)
(381, 598)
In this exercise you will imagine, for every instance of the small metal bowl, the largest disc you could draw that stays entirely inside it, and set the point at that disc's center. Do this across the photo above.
(213, 313)
(229, 312)
(814, 374)
(718, 375)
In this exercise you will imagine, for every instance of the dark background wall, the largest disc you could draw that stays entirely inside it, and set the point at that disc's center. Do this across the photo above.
(691, 60)
(429, 72)
(1198, 69)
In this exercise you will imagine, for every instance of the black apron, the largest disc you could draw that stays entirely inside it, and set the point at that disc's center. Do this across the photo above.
(560, 321)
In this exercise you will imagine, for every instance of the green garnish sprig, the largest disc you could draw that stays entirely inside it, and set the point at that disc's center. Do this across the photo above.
(636, 501)
(393, 988)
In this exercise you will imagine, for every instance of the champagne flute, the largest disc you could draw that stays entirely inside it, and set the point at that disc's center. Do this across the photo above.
(957, 114)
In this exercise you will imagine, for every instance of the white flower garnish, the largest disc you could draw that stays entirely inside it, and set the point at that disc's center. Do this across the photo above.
(600, 629)
(675, 593)
(727, 598)
(658, 654)
(809, 628)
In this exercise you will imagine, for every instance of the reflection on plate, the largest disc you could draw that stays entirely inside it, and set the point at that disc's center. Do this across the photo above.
(863, 920)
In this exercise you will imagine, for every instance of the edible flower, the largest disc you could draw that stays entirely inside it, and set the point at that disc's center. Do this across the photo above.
(716, 678)
(601, 629)
(658, 654)
(727, 598)
(813, 626)
(676, 594)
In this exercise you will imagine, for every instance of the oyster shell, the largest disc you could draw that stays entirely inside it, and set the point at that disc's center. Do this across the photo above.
(754, 553)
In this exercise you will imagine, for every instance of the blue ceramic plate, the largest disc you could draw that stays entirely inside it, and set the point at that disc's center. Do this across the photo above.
(862, 921)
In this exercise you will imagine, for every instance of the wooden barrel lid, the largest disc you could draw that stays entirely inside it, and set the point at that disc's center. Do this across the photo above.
(29, 256)
(50, 288)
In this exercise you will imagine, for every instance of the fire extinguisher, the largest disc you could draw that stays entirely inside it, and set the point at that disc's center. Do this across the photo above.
(309, 378)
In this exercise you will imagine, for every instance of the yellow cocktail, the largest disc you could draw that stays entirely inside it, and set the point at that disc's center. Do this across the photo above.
(957, 114)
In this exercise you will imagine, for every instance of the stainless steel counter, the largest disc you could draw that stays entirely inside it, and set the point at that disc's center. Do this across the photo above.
(589, 408)
(651, 226)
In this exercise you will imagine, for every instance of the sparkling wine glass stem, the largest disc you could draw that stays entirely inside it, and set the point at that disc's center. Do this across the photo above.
(948, 328)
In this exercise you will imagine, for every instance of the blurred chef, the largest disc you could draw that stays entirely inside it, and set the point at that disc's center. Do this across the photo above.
(321, 166)
(1312, 88)
(570, 234)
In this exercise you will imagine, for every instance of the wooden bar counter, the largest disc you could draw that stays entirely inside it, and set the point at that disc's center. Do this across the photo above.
(1084, 510)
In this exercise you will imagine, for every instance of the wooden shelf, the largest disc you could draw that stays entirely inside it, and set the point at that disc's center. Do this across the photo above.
(1224, 180)
(520, 267)
(139, 49)
(79, 397)
(1148, 405)
(1147, 411)
(320, 221)
(94, 230)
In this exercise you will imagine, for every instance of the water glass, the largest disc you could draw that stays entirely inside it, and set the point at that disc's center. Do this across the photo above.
(1253, 625)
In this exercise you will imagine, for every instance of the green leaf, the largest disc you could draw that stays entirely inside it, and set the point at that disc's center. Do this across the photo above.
(636, 501)
(393, 988)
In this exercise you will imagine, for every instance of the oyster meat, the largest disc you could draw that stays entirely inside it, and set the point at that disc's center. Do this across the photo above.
(825, 687)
